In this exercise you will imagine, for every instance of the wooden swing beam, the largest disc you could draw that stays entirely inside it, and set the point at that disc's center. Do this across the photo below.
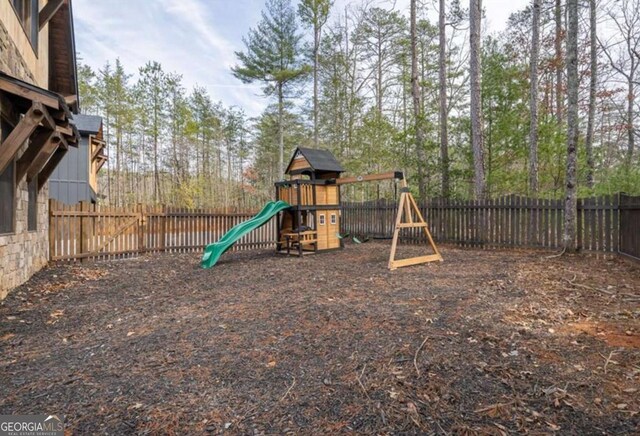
(406, 208)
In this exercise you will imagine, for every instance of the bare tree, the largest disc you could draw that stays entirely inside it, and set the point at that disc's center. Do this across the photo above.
(417, 105)
(570, 204)
(442, 91)
(477, 143)
(621, 50)
(559, 61)
(593, 83)
(533, 99)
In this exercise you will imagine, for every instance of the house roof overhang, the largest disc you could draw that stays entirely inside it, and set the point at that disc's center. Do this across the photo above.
(63, 77)
(44, 124)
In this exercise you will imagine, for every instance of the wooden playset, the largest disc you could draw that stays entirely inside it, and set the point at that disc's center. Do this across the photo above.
(312, 222)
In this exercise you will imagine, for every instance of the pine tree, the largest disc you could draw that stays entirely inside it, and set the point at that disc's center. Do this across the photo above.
(315, 13)
(273, 56)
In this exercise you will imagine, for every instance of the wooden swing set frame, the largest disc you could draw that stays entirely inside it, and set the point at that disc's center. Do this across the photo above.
(407, 217)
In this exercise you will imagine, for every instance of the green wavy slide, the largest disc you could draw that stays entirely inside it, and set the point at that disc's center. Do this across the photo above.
(212, 252)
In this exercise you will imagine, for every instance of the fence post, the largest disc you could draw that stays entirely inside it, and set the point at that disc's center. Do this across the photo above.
(52, 231)
(163, 229)
(85, 229)
(141, 227)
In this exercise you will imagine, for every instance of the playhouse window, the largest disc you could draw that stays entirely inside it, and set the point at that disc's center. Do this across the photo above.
(334, 219)
(322, 219)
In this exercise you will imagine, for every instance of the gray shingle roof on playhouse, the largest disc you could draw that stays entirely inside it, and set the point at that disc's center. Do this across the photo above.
(320, 160)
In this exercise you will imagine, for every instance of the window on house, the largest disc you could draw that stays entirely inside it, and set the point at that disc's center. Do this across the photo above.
(334, 219)
(321, 218)
(32, 208)
(27, 11)
(7, 189)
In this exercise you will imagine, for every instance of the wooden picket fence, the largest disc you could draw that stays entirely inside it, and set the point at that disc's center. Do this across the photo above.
(609, 224)
(511, 221)
(88, 231)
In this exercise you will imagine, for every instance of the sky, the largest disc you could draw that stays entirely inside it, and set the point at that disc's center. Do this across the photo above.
(198, 38)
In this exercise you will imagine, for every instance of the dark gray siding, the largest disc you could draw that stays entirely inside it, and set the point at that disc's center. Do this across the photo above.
(69, 182)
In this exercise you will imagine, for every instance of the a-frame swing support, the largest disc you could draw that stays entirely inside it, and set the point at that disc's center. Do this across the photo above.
(405, 220)
(407, 208)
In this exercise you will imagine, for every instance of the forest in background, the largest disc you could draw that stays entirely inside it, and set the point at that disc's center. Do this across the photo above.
(464, 113)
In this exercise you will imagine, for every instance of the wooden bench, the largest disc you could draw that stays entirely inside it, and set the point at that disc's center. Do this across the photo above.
(295, 240)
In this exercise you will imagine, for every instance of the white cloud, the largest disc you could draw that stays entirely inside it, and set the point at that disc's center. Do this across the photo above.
(198, 38)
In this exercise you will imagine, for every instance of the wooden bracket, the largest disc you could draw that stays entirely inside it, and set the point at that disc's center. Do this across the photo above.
(29, 93)
(43, 157)
(50, 166)
(41, 142)
(20, 134)
(406, 208)
(101, 161)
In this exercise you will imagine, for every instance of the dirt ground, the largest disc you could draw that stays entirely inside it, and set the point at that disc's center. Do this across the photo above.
(487, 342)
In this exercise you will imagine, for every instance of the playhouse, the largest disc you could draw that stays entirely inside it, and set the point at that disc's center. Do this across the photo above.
(308, 211)
(312, 223)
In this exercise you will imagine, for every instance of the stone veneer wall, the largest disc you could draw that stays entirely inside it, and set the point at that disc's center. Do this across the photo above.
(11, 61)
(22, 253)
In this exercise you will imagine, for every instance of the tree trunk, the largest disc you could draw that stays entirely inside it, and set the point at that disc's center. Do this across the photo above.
(417, 106)
(316, 54)
(280, 132)
(559, 61)
(442, 79)
(570, 205)
(630, 130)
(533, 100)
(593, 82)
(475, 18)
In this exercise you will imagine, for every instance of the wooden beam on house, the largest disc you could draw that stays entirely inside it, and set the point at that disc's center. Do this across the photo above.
(45, 154)
(47, 121)
(51, 165)
(66, 131)
(48, 11)
(39, 140)
(29, 94)
(20, 134)
(71, 100)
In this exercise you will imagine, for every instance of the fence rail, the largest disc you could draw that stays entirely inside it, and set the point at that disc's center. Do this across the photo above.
(84, 231)
(605, 223)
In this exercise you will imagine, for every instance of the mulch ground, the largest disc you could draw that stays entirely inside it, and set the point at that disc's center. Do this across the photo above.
(487, 342)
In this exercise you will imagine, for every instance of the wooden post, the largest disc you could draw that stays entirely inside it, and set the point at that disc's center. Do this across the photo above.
(141, 228)
(85, 229)
(52, 232)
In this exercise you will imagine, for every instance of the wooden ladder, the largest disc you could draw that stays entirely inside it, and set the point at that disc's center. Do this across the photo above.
(406, 209)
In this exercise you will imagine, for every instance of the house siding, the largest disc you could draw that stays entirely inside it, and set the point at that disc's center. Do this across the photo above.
(17, 56)
(22, 252)
(69, 182)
